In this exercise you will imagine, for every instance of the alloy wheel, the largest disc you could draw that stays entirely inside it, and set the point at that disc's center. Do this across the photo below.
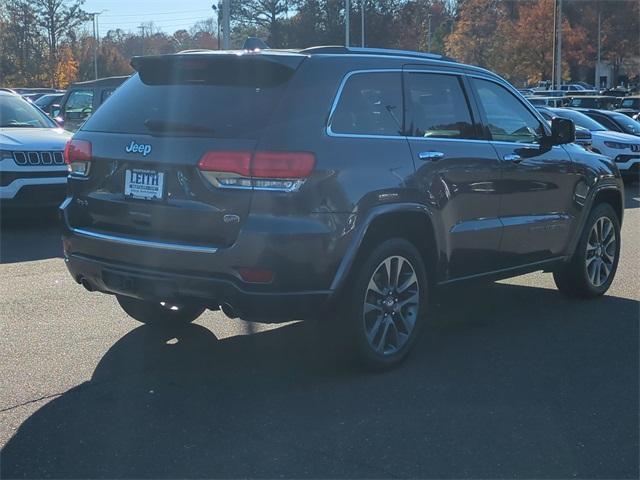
(391, 305)
(601, 251)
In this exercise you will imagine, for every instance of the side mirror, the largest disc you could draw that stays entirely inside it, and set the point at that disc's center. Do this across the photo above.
(563, 131)
(59, 121)
(54, 110)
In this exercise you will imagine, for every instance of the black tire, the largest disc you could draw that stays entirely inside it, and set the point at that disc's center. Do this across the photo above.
(397, 317)
(573, 279)
(159, 313)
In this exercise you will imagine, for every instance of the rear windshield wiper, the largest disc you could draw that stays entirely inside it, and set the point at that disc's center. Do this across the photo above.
(165, 126)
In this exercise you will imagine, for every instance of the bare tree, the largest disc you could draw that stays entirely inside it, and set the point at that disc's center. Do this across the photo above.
(58, 18)
(265, 14)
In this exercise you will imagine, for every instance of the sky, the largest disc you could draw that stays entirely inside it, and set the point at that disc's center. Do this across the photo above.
(167, 15)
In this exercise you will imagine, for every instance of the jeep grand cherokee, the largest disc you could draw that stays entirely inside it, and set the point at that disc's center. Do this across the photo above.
(285, 185)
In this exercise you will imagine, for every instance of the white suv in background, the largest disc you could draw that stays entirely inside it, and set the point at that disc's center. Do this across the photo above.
(32, 169)
(622, 148)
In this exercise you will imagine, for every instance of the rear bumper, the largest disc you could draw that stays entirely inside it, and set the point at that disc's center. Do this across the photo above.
(109, 277)
(303, 254)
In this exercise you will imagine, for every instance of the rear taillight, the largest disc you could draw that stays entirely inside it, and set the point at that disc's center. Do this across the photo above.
(77, 156)
(280, 171)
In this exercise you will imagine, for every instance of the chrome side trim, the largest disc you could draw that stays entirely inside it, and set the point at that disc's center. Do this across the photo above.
(438, 139)
(137, 242)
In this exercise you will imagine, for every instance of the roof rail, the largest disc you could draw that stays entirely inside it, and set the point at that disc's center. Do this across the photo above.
(338, 49)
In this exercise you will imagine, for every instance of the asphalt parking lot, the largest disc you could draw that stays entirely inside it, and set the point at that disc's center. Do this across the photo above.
(510, 379)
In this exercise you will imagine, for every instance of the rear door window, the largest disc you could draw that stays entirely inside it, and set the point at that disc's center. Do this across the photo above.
(370, 104)
(438, 107)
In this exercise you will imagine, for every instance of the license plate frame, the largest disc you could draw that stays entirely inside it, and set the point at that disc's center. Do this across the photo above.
(144, 188)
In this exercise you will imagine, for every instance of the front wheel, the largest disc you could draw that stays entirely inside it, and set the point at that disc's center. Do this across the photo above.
(159, 313)
(593, 266)
(387, 303)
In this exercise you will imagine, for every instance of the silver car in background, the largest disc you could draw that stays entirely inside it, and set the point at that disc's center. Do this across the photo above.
(32, 169)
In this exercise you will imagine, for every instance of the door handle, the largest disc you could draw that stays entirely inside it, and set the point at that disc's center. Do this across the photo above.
(430, 155)
(513, 157)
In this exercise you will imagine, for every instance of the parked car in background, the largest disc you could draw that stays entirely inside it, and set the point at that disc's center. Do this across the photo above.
(328, 183)
(615, 92)
(32, 168)
(549, 93)
(546, 101)
(614, 121)
(526, 91)
(45, 102)
(82, 99)
(576, 89)
(622, 148)
(572, 88)
(32, 97)
(630, 106)
(593, 101)
(585, 85)
(36, 90)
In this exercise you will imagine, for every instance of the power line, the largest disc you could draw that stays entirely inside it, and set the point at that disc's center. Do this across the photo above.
(157, 13)
(137, 22)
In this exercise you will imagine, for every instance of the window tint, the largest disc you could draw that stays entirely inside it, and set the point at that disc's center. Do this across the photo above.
(226, 100)
(610, 124)
(79, 101)
(17, 112)
(579, 118)
(508, 119)
(370, 104)
(438, 107)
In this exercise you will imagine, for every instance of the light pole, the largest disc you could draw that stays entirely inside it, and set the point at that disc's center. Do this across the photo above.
(347, 8)
(94, 19)
(559, 47)
(362, 5)
(429, 32)
(596, 83)
(216, 8)
(553, 46)
(226, 33)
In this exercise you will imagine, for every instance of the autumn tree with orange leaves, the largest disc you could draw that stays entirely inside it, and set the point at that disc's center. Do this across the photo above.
(516, 42)
(476, 36)
(528, 53)
(66, 71)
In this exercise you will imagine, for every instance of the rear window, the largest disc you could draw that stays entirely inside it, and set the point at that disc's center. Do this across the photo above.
(370, 104)
(219, 98)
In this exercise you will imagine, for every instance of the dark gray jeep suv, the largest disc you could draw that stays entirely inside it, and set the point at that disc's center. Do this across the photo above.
(282, 185)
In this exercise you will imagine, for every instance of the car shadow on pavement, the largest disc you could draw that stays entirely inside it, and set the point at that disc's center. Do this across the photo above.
(505, 381)
(28, 237)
